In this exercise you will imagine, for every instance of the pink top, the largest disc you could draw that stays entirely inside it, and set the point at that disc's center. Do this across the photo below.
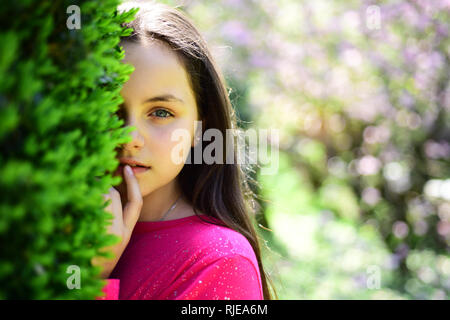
(185, 259)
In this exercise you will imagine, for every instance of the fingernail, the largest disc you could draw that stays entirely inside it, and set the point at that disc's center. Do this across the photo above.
(128, 169)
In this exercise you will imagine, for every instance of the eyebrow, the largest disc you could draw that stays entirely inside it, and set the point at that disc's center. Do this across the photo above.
(164, 98)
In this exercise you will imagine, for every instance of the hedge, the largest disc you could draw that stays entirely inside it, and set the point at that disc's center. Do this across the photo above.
(59, 132)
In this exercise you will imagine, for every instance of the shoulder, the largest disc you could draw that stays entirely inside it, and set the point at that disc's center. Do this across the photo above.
(231, 277)
(217, 241)
(221, 265)
(216, 262)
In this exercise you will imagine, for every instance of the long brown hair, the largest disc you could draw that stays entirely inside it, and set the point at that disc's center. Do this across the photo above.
(218, 190)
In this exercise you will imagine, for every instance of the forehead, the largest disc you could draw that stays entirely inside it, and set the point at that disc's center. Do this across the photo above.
(158, 70)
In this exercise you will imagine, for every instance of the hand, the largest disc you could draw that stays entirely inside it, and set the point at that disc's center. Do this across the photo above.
(123, 222)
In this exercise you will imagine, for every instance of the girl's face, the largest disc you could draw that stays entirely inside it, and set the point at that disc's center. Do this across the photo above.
(158, 99)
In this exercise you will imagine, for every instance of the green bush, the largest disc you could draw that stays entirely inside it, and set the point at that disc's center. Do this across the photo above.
(59, 91)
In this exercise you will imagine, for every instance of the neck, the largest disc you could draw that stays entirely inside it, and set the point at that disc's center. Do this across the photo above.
(157, 203)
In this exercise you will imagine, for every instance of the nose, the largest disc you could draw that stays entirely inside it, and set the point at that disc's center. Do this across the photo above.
(137, 140)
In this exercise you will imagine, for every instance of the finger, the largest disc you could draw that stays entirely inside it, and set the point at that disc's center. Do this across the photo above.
(133, 207)
(116, 206)
(107, 197)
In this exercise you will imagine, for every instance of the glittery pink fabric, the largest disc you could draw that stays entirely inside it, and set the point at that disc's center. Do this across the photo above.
(187, 259)
(110, 290)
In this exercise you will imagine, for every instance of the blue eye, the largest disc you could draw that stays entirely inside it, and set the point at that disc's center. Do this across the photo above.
(161, 113)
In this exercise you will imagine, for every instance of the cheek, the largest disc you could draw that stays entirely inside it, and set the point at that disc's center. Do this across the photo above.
(166, 143)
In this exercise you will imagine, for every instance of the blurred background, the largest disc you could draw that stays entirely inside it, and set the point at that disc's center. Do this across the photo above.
(360, 94)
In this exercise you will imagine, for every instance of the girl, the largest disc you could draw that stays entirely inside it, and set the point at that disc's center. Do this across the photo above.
(185, 229)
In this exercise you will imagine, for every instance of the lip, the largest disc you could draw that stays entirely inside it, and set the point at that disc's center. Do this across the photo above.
(136, 170)
(124, 161)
